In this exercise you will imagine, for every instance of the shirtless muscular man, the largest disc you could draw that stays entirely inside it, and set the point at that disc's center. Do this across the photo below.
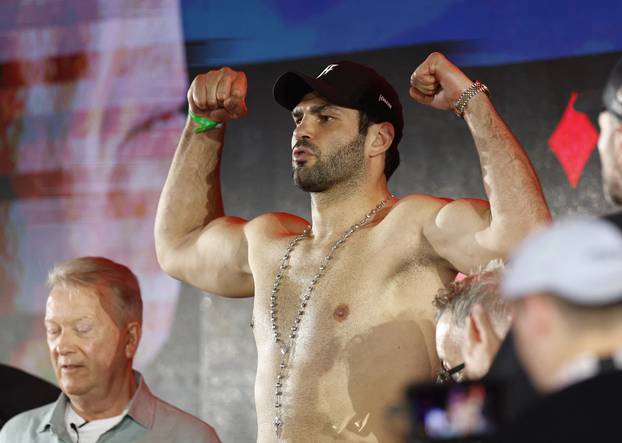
(343, 307)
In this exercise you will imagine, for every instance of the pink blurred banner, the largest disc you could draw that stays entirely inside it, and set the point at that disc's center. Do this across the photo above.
(90, 93)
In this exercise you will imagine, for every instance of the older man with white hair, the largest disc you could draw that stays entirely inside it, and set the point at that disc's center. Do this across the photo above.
(93, 320)
(472, 320)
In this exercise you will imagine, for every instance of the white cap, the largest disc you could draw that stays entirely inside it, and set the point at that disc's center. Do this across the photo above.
(577, 259)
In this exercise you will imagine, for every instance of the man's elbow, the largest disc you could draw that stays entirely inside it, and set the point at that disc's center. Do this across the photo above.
(168, 260)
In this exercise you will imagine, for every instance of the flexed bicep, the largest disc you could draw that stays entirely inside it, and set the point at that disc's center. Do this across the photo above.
(195, 242)
(460, 233)
(214, 259)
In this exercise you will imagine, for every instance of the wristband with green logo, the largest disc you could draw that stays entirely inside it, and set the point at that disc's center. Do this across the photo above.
(205, 124)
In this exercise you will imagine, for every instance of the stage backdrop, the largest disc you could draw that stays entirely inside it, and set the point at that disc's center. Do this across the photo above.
(90, 110)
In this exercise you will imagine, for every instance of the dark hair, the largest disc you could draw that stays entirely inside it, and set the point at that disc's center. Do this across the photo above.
(391, 155)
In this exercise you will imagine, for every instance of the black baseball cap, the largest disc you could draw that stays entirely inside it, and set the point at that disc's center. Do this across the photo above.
(347, 84)
(610, 98)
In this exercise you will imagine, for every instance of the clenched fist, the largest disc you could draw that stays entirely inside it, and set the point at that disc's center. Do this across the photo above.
(437, 82)
(219, 95)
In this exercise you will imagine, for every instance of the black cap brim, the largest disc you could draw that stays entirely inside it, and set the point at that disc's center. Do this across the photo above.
(291, 87)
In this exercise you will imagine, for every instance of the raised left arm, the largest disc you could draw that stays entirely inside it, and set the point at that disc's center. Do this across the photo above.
(469, 233)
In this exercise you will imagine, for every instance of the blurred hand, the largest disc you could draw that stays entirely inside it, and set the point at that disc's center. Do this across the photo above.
(481, 344)
(219, 95)
(437, 82)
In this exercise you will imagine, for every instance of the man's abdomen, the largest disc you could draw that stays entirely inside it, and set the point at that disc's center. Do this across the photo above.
(343, 377)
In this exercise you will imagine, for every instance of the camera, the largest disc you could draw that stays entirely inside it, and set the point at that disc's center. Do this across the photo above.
(461, 412)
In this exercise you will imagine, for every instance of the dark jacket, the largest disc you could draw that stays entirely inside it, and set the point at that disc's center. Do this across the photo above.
(586, 412)
(615, 218)
(507, 372)
(22, 391)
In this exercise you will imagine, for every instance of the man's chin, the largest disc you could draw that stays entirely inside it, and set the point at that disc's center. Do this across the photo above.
(305, 184)
(74, 384)
(72, 388)
(310, 187)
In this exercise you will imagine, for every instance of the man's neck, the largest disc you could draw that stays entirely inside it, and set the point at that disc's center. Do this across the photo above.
(334, 211)
(111, 404)
(581, 357)
(582, 367)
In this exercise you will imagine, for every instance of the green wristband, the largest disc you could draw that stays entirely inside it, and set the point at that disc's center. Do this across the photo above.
(205, 124)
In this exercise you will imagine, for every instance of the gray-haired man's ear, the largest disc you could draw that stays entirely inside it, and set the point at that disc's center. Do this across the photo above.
(481, 343)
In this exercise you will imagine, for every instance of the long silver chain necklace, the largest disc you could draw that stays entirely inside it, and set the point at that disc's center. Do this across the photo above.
(286, 345)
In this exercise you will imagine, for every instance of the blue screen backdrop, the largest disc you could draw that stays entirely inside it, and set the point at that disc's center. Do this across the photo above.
(493, 31)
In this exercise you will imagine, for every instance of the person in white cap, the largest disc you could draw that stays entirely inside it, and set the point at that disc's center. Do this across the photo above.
(565, 283)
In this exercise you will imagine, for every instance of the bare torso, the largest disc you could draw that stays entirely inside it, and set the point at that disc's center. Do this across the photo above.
(367, 331)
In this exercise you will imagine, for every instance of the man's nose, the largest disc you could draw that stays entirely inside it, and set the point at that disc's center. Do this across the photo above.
(303, 130)
(65, 343)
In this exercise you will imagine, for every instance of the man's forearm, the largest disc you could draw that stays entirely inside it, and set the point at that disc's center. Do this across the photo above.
(517, 203)
(191, 196)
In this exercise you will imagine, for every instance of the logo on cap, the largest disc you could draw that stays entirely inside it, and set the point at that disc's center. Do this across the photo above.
(327, 70)
(385, 101)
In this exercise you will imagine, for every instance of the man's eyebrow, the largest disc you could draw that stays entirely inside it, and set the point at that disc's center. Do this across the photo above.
(75, 320)
(316, 109)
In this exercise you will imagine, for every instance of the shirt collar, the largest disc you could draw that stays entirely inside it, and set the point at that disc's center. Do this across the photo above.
(143, 405)
(54, 418)
(141, 409)
(582, 368)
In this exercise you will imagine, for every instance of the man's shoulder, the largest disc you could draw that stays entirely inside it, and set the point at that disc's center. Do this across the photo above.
(276, 224)
(605, 386)
(22, 391)
(171, 418)
(34, 416)
(25, 424)
(424, 206)
(437, 202)
(585, 411)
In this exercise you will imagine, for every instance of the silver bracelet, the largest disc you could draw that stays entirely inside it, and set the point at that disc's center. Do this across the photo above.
(467, 95)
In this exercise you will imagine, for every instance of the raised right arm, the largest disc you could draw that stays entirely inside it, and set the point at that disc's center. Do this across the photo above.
(195, 242)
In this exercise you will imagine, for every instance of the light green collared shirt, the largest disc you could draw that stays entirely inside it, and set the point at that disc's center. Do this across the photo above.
(148, 419)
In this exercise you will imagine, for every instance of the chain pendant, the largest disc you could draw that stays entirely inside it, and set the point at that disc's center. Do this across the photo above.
(286, 346)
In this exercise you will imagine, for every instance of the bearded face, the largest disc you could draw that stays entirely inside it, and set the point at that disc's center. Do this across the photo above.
(342, 164)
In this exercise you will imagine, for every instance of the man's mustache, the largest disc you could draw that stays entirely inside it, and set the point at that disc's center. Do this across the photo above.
(305, 144)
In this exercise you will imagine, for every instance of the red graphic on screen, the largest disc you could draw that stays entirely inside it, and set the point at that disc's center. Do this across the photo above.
(573, 141)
